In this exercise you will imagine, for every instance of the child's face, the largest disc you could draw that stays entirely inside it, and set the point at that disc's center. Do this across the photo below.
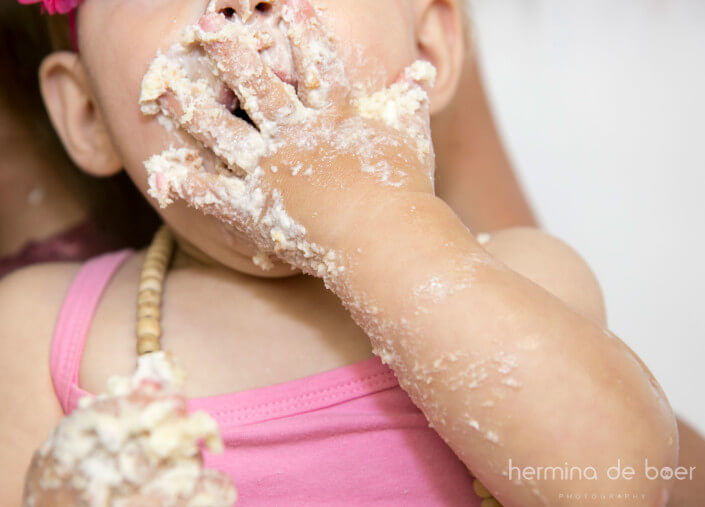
(120, 38)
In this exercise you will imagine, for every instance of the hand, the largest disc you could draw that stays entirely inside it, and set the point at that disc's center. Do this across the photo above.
(137, 446)
(315, 152)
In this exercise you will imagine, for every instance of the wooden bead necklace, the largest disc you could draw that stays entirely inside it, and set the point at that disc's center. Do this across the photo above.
(149, 297)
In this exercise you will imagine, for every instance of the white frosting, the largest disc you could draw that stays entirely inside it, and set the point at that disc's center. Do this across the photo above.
(235, 193)
(137, 439)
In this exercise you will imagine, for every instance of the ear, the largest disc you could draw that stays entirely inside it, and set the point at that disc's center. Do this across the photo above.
(441, 41)
(75, 115)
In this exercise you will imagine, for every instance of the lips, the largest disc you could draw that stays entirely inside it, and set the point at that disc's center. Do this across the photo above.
(287, 78)
(228, 98)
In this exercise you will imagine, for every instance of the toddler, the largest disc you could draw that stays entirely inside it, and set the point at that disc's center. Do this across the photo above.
(288, 137)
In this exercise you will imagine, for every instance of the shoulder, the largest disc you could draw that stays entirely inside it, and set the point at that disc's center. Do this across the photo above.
(30, 301)
(552, 264)
(30, 298)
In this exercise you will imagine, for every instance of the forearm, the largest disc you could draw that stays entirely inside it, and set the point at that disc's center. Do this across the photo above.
(502, 369)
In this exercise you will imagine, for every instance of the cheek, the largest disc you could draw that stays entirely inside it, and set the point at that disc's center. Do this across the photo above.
(376, 38)
(122, 38)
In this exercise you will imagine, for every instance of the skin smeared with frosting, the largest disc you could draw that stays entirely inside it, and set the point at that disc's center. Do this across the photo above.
(135, 445)
(337, 181)
(297, 94)
(287, 155)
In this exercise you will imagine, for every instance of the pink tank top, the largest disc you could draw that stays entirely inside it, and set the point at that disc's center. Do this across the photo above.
(349, 436)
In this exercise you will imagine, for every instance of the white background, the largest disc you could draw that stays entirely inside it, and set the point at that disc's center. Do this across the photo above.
(601, 105)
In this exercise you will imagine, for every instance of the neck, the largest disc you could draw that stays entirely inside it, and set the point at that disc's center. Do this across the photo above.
(37, 200)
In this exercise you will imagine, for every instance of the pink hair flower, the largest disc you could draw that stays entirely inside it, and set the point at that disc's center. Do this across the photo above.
(54, 6)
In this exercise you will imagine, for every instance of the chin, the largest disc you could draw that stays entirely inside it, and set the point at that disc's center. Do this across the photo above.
(244, 264)
(234, 255)
(280, 270)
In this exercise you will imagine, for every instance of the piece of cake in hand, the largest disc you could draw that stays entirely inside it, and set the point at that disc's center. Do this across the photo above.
(135, 446)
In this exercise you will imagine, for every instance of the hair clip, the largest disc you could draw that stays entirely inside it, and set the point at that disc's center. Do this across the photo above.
(54, 6)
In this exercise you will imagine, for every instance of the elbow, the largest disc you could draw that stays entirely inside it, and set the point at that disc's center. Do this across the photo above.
(656, 467)
(631, 466)
(642, 434)
(642, 447)
(658, 459)
(629, 439)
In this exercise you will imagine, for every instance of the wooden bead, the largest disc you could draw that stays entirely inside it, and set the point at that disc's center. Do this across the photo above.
(149, 297)
(160, 248)
(151, 284)
(155, 264)
(147, 346)
(158, 258)
(148, 327)
(151, 271)
(480, 489)
(160, 261)
(490, 502)
(149, 310)
(159, 253)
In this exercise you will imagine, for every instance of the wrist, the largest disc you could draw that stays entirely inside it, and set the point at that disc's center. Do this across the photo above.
(403, 238)
(389, 221)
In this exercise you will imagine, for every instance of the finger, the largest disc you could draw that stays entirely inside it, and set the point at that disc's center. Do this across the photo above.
(405, 102)
(235, 141)
(234, 49)
(179, 174)
(193, 104)
(321, 73)
(404, 106)
(420, 78)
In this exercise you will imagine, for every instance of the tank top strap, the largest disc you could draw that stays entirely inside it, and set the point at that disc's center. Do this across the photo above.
(75, 319)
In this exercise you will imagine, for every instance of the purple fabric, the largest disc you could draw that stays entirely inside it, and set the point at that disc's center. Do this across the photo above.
(78, 243)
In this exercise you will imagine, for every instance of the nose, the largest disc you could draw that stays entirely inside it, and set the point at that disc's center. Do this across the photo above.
(244, 8)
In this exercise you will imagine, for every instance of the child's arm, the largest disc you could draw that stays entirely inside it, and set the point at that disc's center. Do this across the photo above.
(502, 369)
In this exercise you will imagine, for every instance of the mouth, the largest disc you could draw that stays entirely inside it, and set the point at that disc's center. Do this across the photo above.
(275, 52)
(229, 99)
(287, 78)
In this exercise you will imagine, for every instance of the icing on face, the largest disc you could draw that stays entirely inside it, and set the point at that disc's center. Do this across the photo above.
(235, 192)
